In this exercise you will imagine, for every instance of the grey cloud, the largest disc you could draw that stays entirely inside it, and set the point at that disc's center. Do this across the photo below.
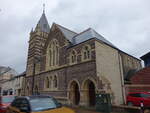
(125, 23)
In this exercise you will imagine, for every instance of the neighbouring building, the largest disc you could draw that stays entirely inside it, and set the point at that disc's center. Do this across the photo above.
(146, 59)
(18, 84)
(8, 87)
(72, 66)
(6, 73)
(140, 80)
(13, 86)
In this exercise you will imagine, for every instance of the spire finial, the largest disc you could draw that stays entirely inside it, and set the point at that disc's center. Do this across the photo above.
(44, 8)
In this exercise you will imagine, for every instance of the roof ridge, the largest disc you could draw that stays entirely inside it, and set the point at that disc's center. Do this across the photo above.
(98, 33)
(66, 28)
(82, 32)
(103, 38)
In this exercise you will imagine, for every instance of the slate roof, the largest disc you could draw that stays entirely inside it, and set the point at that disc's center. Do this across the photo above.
(4, 69)
(7, 70)
(88, 34)
(76, 38)
(43, 24)
(67, 33)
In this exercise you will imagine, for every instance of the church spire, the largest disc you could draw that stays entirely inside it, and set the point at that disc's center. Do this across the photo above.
(43, 23)
(43, 8)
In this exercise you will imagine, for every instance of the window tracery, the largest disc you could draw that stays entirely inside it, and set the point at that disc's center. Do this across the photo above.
(73, 57)
(53, 53)
(86, 53)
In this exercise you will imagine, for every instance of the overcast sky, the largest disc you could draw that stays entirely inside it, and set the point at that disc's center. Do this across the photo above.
(125, 23)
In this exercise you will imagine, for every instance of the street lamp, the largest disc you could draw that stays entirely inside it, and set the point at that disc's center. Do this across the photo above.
(36, 60)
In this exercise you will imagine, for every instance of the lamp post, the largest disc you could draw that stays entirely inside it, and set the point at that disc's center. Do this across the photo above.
(36, 60)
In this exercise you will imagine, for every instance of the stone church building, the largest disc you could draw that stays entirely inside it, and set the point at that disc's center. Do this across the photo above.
(73, 67)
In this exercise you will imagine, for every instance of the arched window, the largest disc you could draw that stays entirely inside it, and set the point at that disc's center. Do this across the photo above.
(55, 82)
(50, 57)
(36, 90)
(53, 53)
(47, 82)
(54, 57)
(27, 91)
(50, 82)
(86, 53)
(73, 57)
(57, 55)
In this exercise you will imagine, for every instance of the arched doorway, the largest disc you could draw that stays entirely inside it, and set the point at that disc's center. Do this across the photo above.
(74, 93)
(89, 92)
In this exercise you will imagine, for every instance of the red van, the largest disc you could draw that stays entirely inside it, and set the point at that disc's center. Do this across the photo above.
(5, 101)
(136, 98)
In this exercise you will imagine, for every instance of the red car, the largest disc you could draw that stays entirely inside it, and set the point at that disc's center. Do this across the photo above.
(5, 101)
(136, 98)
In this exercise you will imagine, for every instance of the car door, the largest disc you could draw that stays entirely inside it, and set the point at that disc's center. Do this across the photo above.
(136, 99)
(146, 99)
(24, 106)
(19, 106)
(13, 108)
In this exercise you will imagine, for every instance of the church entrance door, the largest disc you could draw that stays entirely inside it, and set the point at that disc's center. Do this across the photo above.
(74, 93)
(89, 93)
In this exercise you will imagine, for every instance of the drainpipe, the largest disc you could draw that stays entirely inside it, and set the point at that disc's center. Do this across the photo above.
(122, 79)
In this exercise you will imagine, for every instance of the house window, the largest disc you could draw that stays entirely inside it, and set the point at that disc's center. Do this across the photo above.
(86, 53)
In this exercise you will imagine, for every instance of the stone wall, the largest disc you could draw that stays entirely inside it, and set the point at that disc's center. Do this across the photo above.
(129, 63)
(109, 71)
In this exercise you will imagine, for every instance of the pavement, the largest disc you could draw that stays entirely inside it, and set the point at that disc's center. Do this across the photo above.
(82, 110)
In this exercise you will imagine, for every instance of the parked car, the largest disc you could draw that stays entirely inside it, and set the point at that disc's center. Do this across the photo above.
(37, 104)
(136, 98)
(5, 101)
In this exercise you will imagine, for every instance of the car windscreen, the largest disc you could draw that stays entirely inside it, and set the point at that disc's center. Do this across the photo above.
(7, 99)
(40, 104)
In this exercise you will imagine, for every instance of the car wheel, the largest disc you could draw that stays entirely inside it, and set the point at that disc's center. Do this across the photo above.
(147, 111)
(130, 104)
